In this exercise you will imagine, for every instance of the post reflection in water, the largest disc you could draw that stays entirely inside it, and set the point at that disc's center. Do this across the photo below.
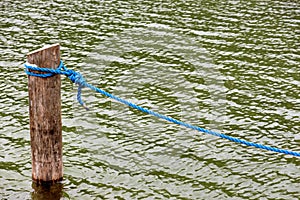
(47, 191)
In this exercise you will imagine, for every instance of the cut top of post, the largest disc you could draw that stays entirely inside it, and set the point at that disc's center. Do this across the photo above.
(43, 48)
(45, 60)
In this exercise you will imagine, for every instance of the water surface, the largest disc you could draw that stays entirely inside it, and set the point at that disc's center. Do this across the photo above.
(229, 66)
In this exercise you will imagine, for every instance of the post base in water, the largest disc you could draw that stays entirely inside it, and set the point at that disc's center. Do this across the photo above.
(46, 183)
(47, 191)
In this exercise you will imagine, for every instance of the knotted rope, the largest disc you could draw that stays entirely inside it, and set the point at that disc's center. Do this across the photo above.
(74, 76)
(77, 78)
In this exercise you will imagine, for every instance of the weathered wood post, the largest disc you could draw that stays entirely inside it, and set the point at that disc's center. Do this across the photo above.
(45, 117)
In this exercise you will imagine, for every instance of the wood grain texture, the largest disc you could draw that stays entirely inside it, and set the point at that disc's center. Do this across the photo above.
(45, 117)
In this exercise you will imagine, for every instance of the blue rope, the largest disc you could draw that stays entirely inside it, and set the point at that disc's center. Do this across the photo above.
(78, 79)
(75, 77)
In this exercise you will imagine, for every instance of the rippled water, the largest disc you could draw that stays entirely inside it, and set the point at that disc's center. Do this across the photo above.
(229, 66)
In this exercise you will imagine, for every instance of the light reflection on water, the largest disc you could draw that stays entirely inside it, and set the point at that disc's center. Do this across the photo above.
(230, 66)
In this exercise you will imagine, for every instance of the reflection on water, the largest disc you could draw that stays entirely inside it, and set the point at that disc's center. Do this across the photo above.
(47, 192)
(230, 66)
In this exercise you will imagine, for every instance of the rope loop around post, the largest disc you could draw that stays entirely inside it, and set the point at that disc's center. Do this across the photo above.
(74, 76)
(78, 79)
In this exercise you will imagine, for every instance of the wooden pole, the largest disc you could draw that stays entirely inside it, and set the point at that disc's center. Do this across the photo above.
(45, 117)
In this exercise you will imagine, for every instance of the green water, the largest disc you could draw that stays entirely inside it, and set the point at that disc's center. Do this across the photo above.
(228, 66)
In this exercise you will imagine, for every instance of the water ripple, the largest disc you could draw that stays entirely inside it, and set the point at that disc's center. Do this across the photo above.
(230, 66)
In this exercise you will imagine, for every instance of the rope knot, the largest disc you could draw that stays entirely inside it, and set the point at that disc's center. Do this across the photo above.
(76, 77)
